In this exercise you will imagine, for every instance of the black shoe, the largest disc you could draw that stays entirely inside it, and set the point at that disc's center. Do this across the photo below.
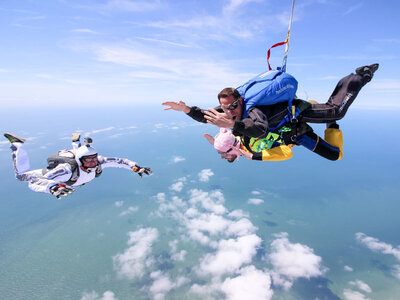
(367, 72)
(76, 137)
(13, 138)
(332, 124)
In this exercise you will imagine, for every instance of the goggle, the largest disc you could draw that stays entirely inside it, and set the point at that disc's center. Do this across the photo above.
(92, 158)
(225, 153)
(233, 105)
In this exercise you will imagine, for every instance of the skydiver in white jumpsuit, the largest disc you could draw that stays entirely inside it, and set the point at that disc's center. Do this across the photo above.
(67, 169)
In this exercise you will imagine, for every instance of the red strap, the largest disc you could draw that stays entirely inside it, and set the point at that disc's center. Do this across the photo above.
(269, 51)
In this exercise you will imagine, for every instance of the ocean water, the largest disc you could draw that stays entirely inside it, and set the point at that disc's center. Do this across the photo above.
(314, 229)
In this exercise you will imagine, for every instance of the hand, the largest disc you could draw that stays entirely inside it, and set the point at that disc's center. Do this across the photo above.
(209, 138)
(222, 120)
(140, 170)
(246, 154)
(178, 106)
(59, 190)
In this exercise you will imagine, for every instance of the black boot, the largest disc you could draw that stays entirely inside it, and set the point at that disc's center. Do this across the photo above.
(367, 72)
(13, 138)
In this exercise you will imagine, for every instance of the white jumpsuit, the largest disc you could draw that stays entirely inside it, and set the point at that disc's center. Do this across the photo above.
(62, 173)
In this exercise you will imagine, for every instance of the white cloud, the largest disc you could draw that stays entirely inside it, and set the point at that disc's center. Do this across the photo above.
(353, 8)
(230, 256)
(385, 84)
(160, 197)
(396, 271)
(175, 254)
(255, 201)
(293, 261)
(130, 6)
(136, 258)
(233, 5)
(108, 295)
(177, 187)
(162, 284)
(353, 295)
(119, 203)
(102, 130)
(84, 30)
(177, 159)
(205, 175)
(377, 246)
(251, 284)
(211, 201)
(238, 213)
(256, 192)
(348, 269)
(361, 285)
(130, 210)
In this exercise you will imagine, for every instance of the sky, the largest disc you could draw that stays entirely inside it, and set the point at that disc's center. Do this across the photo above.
(130, 53)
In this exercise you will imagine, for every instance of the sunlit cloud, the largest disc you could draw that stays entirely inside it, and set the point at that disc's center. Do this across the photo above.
(348, 269)
(132, 262)
(108, 295)
(249, 284)
(361, 285)
(177, 159)
(84, 30)
(377, 246)
(205, 175)
(292, 261)
(255, 201)
(130, 210)
(352, 9)
(178, 186)
(353, 295)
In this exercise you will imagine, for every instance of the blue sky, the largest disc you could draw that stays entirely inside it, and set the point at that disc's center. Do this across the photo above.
(132, 52)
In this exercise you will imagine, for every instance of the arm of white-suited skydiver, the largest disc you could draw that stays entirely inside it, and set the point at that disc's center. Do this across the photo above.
(59, 175)
(115, 162)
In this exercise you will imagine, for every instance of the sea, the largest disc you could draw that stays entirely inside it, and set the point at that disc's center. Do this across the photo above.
(200, 227)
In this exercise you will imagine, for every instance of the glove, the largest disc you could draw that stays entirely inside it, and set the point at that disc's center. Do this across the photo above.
(59, 190)
(141, 170)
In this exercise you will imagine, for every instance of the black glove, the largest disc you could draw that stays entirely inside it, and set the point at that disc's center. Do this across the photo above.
(141, 170)
(59, 190)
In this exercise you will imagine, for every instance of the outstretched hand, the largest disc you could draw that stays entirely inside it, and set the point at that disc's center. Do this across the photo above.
(142, 170)
(178, 106)
(222, 120)
(209, 138)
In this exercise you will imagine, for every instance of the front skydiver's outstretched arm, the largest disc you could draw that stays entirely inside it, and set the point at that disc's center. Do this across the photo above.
(124, 163)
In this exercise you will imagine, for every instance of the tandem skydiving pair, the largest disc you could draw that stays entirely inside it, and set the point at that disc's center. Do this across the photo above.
(266, 120)
(66, 169)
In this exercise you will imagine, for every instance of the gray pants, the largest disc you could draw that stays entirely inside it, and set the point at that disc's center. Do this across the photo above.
(342, 97)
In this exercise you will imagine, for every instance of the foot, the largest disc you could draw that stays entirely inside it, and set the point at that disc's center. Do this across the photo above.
(332, 124)
(76, 137)
(13, 138)
(367, 72)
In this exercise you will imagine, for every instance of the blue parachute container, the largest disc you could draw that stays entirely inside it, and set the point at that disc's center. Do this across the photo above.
(268, 88)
